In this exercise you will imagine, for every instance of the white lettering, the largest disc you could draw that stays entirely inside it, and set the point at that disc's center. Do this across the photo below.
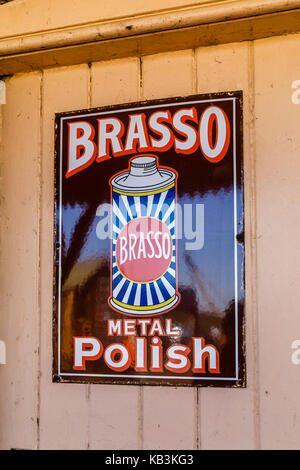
(109, 130)
(133, 237)
(166, 252)
(109, 357)
(161, 129)
(158, 245)
(142, 248)
(214, 151)
(123, 251)
(136, 131)
(81, 353)
(150, 244)
(81, 147)
(188, 131)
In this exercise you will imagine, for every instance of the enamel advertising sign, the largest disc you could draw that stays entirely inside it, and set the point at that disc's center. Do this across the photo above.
(149, 249)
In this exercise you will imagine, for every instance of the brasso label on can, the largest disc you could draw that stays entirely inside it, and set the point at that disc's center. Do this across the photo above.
(143, 258)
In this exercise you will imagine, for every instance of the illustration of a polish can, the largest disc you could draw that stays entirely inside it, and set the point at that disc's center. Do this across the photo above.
(143, 261)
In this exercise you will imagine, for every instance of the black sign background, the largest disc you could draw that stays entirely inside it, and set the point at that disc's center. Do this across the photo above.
(210, 281)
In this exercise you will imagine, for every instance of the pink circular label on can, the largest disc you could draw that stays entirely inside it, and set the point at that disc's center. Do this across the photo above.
(144, 249)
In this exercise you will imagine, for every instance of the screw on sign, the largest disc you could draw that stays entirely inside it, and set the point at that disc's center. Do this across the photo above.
(143, 264)
(149, 205)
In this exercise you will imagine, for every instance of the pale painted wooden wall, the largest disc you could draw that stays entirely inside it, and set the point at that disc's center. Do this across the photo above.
(34, 412)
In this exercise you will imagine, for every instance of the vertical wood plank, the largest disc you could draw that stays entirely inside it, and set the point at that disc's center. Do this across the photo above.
(166, 75)
(114, 82)
(228, 415)
(19, 265)
(63, 407)
(113, 409)
(278, 214)
(169, 412)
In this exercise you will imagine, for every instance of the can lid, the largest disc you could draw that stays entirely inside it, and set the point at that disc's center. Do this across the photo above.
(146, 161)
(143, 176)
(143, 166)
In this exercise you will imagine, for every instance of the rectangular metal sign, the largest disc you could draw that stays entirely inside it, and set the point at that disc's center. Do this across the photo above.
(149, 249)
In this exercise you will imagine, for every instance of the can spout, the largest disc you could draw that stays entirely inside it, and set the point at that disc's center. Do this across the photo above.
(144, 171)
(143, 166)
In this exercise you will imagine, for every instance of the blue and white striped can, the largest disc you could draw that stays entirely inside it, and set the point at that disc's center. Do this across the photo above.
(143, 258)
